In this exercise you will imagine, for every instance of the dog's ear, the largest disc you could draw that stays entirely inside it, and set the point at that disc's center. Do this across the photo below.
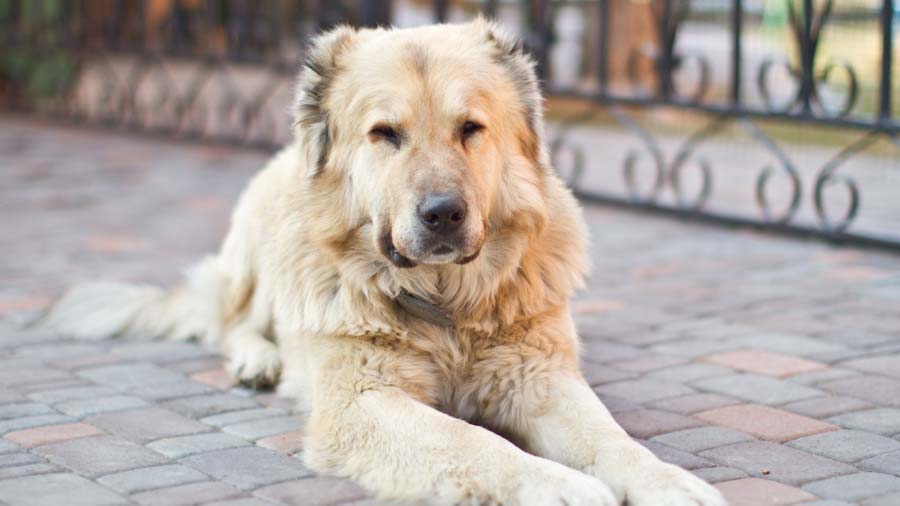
(311, 122)
(520, 67)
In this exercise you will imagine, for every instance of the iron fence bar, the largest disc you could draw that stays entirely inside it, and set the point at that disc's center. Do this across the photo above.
(713, 217)
(888, 126)
(440, 11)
(737, 25)
(603, 24)
(807, 57)
(490, 8)
(887, 59)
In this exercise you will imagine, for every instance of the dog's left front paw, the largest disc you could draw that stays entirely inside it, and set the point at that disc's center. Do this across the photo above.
(668, 485)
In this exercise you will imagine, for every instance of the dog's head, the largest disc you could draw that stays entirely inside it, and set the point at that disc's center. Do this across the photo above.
(432, 135)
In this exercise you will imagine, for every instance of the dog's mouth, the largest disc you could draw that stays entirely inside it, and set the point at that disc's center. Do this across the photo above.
(437, 255)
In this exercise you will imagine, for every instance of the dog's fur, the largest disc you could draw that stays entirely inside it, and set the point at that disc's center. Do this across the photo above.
(325, 239)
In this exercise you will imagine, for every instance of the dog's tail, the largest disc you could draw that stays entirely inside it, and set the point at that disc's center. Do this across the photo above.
(102, 310)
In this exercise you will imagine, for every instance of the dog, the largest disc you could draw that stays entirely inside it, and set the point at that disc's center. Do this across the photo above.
(404, 268)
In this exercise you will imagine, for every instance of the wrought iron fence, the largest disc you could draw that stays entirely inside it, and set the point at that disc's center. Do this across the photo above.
(222, 70)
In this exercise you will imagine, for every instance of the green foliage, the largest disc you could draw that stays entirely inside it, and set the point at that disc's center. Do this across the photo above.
(36, 73)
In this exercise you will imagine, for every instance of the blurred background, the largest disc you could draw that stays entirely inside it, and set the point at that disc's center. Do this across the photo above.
(778, 114)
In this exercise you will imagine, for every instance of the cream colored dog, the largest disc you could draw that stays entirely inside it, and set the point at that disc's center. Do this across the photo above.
(405, 267)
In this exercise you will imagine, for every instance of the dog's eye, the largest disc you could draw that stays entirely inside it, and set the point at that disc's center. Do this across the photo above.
(470, 128)
(386, 133)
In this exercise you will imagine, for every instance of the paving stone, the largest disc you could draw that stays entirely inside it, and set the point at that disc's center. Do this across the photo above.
(7, 446)
(718, 474)
(87, 407)
(258, 429)
(702, 438)
(795, 345)
(881, 391)
(675, 456)
(757, 492)
(18, 459)
(884, 421)
(846, 445)
(178, 447)
(9, 396)
(246, 501)
(892, 499)
(7, 473)
(197, 365)
(242, 416)
(815, 377)
(129, 376)
(287, 443)
(148, 424)
(617, 404)
(777, 462)
(216, 378)
(47, 489)
(690, 372)
(148, 478)
(187, 495)
(160, 352)
(643, 390)
(602, 351)
(320, 490)
(693, 348)
(854, 487)
(28, 422)
(597, 374)
(200, 406)
(886, 463)
(274, 400)
(764, 422)
(71, 394)
(247, 468)
(693, 403)
(758, 389)
(70, 349)
(28, 388)
(762, 362)
(9, 411)
(646, 423)
(73, 364)
(885, 365)
(824, 407)
(647, 363)
(29, 438)
(18, 376)
(168, 391)
(99, 455)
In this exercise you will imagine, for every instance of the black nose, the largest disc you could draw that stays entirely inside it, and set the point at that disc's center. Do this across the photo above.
(442, 213)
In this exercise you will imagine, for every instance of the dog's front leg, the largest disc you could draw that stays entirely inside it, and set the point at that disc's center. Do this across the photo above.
(567, 423)
(367, 424)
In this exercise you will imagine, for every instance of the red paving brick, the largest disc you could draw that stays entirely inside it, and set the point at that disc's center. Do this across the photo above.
(216, 378)
(30, 438)
(765, 422)
(759, 492)
(767, 363)
(287, 443)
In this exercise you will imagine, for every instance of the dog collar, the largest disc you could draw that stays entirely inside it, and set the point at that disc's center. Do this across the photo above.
(424, 310)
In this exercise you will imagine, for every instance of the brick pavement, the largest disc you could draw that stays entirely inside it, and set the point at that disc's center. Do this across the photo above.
(768, 366)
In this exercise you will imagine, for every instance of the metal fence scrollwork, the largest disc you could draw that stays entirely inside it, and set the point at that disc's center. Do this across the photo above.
(222, 70)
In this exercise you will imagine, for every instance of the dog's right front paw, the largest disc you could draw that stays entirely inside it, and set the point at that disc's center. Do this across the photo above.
(562, 486)
(256, 366)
